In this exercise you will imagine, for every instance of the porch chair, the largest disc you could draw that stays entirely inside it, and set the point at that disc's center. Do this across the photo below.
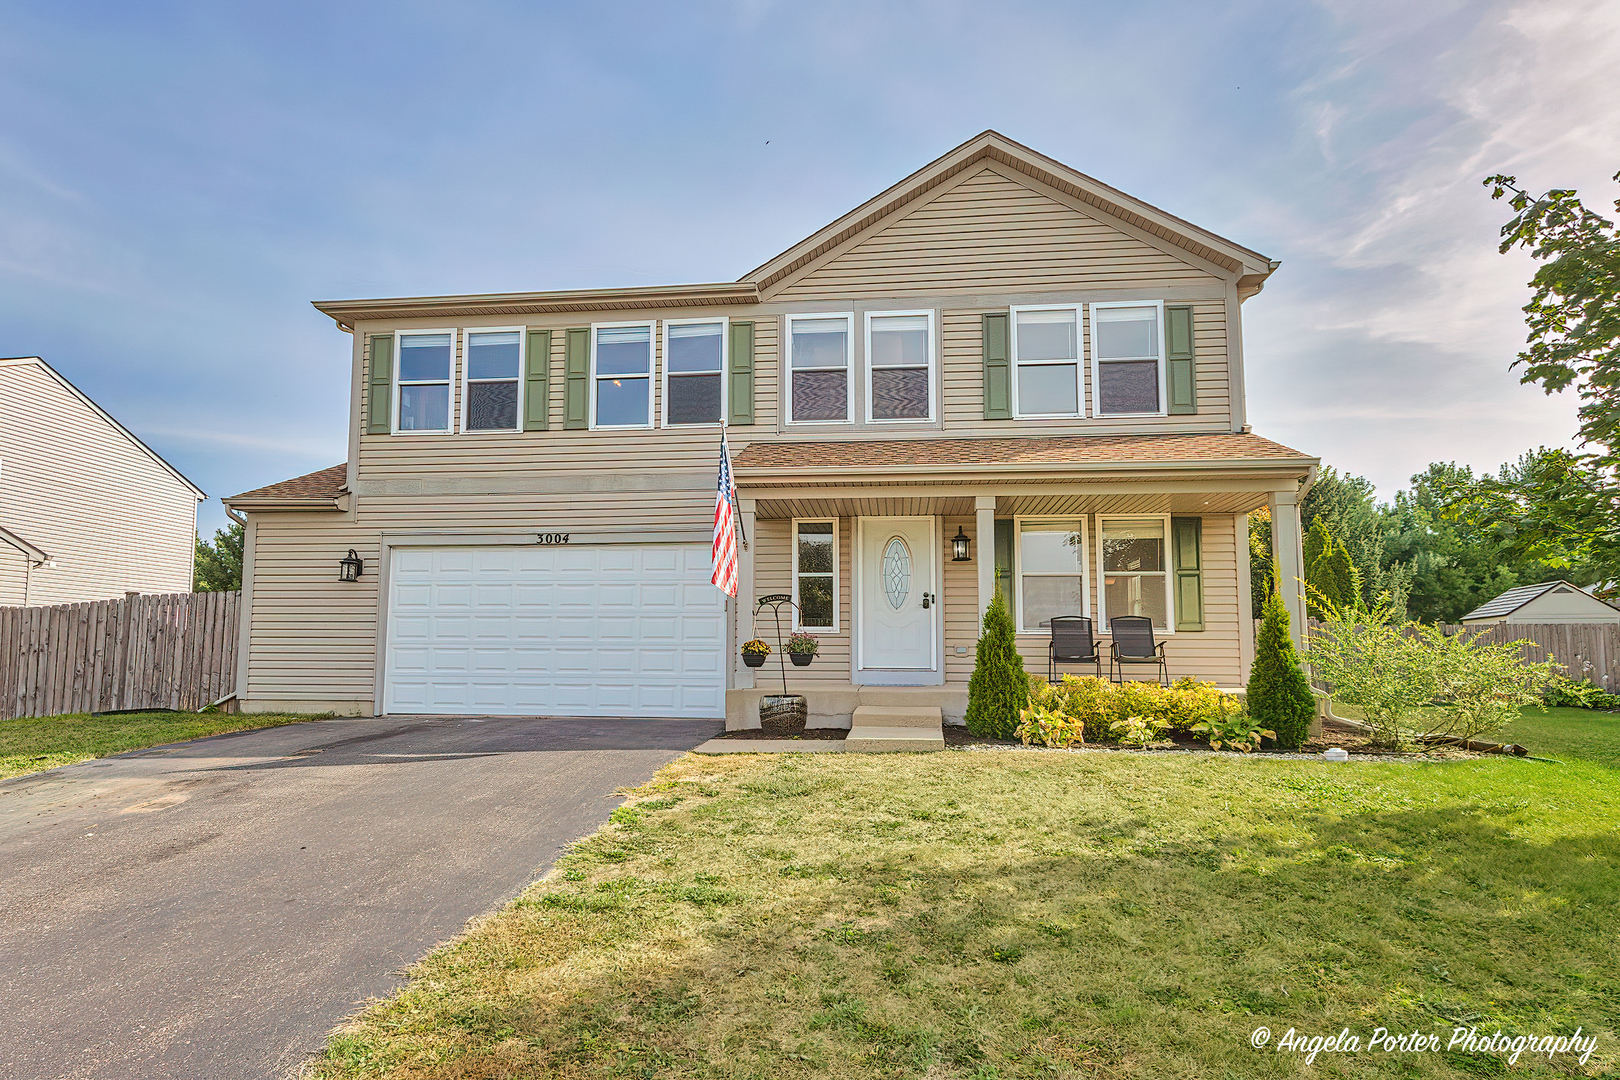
(1133, 644)
(1071, 643)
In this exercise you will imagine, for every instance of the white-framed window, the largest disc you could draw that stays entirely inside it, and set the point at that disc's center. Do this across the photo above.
(815, 574)
(821, 353)
(621, 375)
(492, 378)
(1133, 564)
(1051, 563)
(899, 366)
(1045, 345)
(694, 371)
(1127, 358)
(422, 380)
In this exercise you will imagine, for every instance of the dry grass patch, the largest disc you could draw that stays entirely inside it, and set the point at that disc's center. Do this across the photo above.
(1025, 914)
(36, 743)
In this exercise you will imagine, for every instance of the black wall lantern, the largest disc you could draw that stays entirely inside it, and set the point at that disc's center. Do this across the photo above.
(961, 547)
(349, 567)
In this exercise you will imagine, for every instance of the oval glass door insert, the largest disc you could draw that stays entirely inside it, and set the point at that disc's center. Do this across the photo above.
(897, 572)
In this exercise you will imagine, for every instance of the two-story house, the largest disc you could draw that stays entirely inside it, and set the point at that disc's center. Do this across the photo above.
(999, 373)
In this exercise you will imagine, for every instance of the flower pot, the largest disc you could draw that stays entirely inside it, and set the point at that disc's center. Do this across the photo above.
(754, 659)
(789, 707)
(801, 659)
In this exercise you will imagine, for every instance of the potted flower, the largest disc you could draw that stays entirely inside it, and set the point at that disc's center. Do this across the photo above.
(801, 649)
(754, 653)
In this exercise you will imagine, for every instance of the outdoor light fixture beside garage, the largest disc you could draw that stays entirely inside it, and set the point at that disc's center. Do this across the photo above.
(961, 547)
(349, 567)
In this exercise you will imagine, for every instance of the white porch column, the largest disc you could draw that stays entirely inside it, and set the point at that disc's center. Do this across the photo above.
(984, 537)
(745, 594)
(1246, 612)
(1288, 555)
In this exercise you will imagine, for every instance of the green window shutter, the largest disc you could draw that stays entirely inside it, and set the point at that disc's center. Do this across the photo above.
(380, 410)
(536, 382)
(577, 378)
(997, 370)
(1187, 539)
(1182, 392)
(740, 390)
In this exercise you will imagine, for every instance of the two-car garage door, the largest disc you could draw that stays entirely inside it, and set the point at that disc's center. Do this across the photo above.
(606, 630)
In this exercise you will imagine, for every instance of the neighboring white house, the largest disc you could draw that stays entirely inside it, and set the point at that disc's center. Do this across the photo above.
(87, 510)
(1548, 602)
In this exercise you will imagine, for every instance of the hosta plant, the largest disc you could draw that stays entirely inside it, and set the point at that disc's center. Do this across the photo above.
(1050, 727)
(1139, 731)
(1237, 732)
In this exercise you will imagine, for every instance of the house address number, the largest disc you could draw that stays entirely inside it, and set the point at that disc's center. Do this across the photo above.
(551, 538)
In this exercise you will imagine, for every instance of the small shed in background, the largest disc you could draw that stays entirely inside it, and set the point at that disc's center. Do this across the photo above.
(1548, 602)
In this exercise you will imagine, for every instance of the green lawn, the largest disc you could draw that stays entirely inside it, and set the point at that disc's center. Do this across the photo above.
(998, 914)
(1567, 734)
(38, 743)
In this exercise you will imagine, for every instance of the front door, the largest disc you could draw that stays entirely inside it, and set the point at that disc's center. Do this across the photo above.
(899, 597)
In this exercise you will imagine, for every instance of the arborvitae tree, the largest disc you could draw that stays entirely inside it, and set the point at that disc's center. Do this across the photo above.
(999, 690)
(1279, 697)
(218, 566)
(1318, 541)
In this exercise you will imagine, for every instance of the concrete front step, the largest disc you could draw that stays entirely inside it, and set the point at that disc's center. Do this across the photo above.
(870, 739)
(897, 716)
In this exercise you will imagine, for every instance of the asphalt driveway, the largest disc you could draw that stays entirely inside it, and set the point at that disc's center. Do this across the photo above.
(212, 909)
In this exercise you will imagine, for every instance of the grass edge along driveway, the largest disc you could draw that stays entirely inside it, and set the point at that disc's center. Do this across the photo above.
(997, 914)
(37, 743)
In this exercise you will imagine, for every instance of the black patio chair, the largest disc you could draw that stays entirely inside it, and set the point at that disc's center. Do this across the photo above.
(1133, 644)
(1071, 643)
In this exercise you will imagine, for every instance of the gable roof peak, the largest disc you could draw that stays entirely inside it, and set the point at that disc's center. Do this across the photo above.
(1250, 267)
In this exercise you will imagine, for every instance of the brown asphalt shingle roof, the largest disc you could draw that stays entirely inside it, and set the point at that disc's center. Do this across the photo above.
(1023, 450)
(316, 486)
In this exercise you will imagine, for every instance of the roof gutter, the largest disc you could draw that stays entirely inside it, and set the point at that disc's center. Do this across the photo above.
(983, 468)
(339, 502)
(347, 312)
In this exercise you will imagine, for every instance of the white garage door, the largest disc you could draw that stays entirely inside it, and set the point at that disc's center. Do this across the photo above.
(611, 630)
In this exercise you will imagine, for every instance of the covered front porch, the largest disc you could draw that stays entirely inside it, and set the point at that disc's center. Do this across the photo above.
(891, 567)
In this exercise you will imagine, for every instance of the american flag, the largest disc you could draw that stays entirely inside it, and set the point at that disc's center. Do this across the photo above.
(724, 554)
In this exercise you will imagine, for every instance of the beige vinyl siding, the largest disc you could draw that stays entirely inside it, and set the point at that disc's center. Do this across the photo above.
(113, 518)
(991, 232)
(960, 599)
(773, 573)
(13, 575)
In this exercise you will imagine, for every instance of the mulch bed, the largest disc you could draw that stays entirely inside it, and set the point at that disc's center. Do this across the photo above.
(785, 729)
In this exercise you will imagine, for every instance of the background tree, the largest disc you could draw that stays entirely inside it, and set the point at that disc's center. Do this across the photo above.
(1262, 574)
(218, 566)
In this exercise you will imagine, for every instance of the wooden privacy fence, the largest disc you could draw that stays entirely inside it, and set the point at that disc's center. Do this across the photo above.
(1588, 651)
(176, 651)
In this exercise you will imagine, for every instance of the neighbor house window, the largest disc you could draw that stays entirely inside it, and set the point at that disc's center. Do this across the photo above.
(1051, 570)
(899, 365)
(621, 375)
(1135, 568)
(493, 367)
(820, 349)
(815, 575)
(424, 380)
(694, 371)
(1046, 355)
(1127, 344)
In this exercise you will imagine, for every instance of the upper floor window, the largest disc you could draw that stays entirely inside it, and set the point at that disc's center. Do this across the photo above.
(494, 366)
(1046, 361)
(694, 371)
(899, 365)
(1127, 345)
(424, 380)
(1135, 571)
(621, 375)
(820, 354)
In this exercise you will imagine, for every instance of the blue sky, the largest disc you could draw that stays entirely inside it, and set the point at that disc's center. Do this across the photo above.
(178, 181)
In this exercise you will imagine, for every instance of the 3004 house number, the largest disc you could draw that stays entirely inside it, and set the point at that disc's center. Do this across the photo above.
(551, 538)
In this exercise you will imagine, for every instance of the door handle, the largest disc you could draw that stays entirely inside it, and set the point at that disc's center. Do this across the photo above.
(928, 599)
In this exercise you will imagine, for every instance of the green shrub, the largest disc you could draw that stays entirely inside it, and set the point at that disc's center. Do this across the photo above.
(1141, 731)
(998, 692)
(1097, 704)
(1562, 692)
(1279, 698)
(1238, 732)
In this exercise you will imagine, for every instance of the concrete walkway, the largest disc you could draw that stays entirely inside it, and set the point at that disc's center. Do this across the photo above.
(212, 909)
